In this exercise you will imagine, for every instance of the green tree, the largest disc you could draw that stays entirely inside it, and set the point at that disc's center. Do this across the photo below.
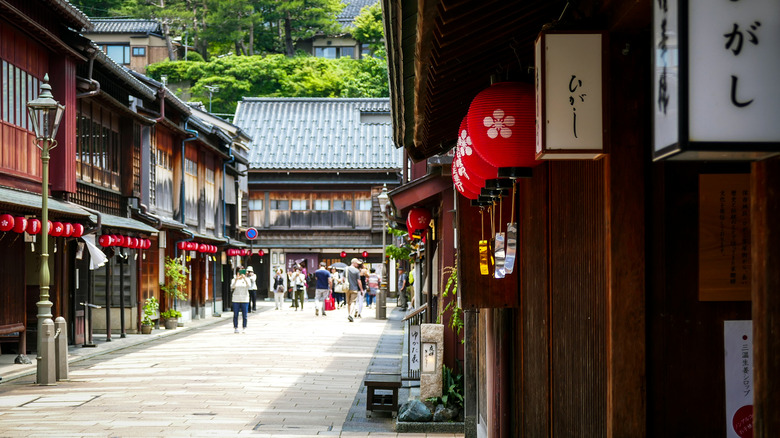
(369, 29)
(97, 8)
(302, 18)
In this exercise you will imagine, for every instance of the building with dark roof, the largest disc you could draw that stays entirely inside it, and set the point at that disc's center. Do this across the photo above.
(342, 44)
(132, 42)
(316, 166)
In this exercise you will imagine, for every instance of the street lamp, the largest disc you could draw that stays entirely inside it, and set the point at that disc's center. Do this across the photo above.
(381, 308)
(212, 89)
(45, 116)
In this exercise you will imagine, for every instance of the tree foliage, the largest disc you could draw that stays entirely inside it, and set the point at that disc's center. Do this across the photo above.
(274, 76)
(368, 28)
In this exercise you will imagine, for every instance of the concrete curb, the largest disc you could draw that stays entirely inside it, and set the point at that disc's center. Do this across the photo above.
(429, 427)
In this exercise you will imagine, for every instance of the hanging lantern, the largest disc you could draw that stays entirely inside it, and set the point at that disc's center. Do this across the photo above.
(78, 230)
(56, 229)
(418, 219)
(116, 240)
(6, 222)
(473, 163)
(203, 247)
(67, 230)
(462, 188)
(343, 254)
(180, 246)
(502, 126)
(104, 240)
(364, 254)
(147, 243)
(34, 226)
(464, 173)
(20, 224)
(261, 253)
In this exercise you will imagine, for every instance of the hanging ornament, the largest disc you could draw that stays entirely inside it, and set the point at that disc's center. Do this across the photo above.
(6, 222)
(105, 240)
(20, 224)
(67, 229)
(78, 230)
(261, 253)
(502, 125)
(33, 226)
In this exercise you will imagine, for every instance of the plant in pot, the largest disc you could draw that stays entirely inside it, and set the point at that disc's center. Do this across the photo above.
(151, 307)
(171, 317)
(174, 288)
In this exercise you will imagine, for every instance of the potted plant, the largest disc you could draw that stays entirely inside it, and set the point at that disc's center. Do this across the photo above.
(151, 307)
(175, 287)
(171, 317)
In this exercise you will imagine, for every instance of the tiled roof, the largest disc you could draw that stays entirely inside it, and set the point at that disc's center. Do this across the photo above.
(318, 133)
(351, 10)
(128, 25)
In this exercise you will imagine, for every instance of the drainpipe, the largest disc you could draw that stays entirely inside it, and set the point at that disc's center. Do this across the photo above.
(143, 212)
(95, 85)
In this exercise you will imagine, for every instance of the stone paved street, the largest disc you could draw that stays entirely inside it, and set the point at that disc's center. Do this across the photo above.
(291, 374)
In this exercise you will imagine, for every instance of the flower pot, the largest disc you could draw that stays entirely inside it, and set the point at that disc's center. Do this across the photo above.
(171, 323)
(146, 329)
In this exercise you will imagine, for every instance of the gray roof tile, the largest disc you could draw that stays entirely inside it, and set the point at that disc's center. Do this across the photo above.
(318, 133)
(351, 10)
(128, 25)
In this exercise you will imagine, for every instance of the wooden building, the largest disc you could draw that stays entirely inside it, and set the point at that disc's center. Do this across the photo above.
(608, 325)
(316, 167)
(132, 43)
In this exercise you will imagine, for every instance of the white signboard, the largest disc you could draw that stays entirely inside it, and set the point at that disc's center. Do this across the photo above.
(738, 356)
(666, 78)
(571, 98)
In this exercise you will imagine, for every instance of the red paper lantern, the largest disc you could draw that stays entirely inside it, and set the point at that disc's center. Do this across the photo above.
(418, 219)
(20, 224)
(56, 229)
(116, 240)
(343, 254)
(214, 249)
(147, 243)
(6, 222)
(135, 242)
(78, 230)
(203, 247)
(105, 240)
(180, 246)
(67, 229)
(502, 124)
(461, 187)
(474, 164)
(464, 173)
(364, 254)
(33, 226)
(261, 253)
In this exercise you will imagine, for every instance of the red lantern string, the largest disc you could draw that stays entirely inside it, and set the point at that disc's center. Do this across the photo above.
(502, 124)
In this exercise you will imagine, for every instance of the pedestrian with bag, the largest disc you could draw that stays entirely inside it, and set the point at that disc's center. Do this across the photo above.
(299, 283)
(322, 285)
(250, 275)
(279, 288)
(338, 287)
(240, 298)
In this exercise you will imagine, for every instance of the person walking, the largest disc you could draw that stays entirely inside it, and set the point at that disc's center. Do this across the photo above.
(250, 275)
(355, 286)
(299, 282)
(322, 284)
(373, 287)
(240, 298)
(338, 286)
(402, 279)
(279, 288)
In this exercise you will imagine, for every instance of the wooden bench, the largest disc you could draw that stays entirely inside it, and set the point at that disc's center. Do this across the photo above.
(384, 401)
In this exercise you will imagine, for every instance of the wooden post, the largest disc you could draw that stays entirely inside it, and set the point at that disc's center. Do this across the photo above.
(765, 241)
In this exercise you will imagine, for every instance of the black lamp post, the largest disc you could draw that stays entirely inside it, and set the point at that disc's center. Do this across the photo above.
(45, 115)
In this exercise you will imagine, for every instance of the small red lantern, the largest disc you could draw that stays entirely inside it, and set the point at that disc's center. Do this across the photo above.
(104, 240)
(461, 187)
(229, 252)
(135, 242)
(261, 253)
(33, 226)
(116, 240)
(78, 230)
(203, 247)
(147, 243)
(20, 224)
(67, 229)
(180, 246)
(6, 222)
(502, 124)
(364, 254)
(474, 164)
(418, 219)
(343, 254)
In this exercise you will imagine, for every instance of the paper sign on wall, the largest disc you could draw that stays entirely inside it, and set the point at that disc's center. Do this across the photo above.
(738, 357)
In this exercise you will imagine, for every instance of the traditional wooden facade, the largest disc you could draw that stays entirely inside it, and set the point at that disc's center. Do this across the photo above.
(316, 168)
(601, 330)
